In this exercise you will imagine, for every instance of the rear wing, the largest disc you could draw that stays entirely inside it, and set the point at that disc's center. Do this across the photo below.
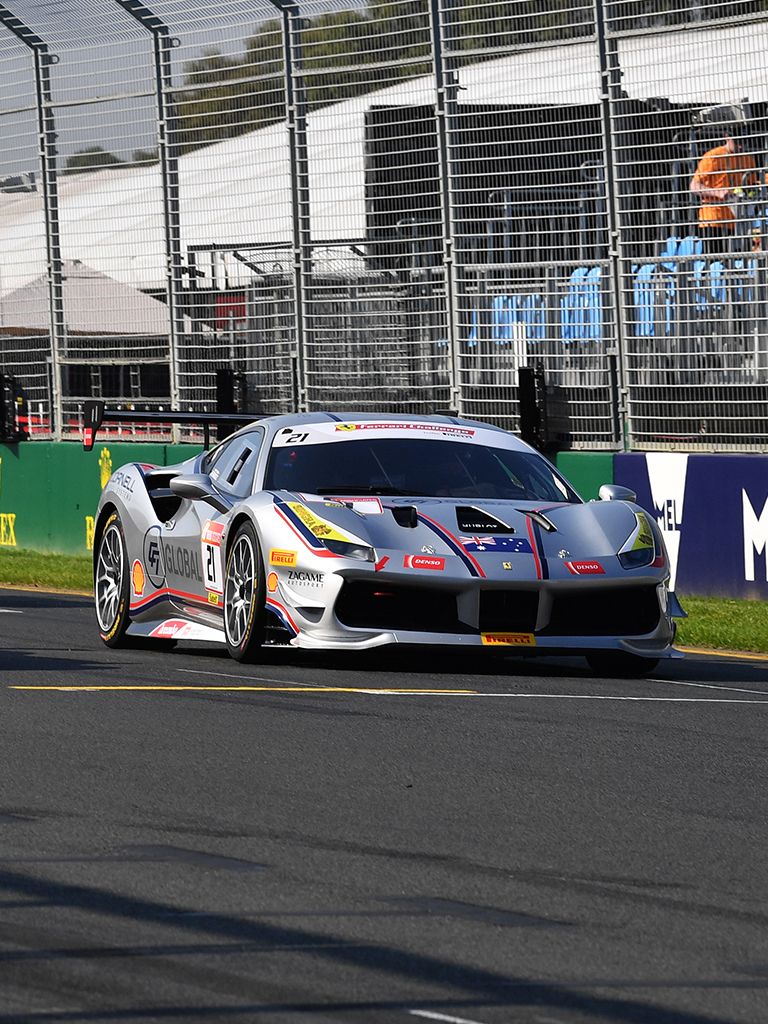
(95, 413)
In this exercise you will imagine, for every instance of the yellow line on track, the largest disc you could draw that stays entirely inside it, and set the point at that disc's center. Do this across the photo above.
(237, 689)
(740, 655)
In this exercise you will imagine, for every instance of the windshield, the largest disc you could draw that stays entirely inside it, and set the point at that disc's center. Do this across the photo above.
(415, 466)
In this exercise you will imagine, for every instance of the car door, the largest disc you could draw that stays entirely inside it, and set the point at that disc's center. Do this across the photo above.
(192, 539)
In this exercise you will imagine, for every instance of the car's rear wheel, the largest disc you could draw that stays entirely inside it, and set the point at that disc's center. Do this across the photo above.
(110, 584)
(244, 596)
(621, 664)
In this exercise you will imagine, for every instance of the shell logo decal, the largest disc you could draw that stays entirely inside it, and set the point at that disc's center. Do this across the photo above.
(138, 578)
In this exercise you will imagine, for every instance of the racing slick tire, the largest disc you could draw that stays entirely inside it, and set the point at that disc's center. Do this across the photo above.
(244, 596)
(620, 664)
(111, 584)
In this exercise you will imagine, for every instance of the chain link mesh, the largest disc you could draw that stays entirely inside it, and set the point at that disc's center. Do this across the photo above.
(393, 205)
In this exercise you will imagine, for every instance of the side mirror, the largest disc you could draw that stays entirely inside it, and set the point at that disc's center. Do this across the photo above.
(198, 487)
(615, 492)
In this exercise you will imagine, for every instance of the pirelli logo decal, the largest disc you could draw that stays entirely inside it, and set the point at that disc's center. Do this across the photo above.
(508, 639)
(277, 557)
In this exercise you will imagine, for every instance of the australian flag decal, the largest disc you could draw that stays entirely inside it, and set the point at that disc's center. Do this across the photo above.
(517, 545)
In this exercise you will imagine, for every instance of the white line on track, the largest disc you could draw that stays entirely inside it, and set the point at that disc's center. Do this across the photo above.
(11, 611)
(362, 691)
(429, 1015)
(603, 696)
(708, 686)
(247, 679)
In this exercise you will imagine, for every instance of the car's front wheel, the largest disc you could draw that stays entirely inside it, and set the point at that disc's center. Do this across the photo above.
(110, 583)
(244, 595)
(620, 664)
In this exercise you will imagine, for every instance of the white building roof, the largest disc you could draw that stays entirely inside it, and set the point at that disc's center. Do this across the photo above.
(93, 303)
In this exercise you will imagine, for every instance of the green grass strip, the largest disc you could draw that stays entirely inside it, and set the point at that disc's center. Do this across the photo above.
(718, 623)
(724, 624)
(33, 569)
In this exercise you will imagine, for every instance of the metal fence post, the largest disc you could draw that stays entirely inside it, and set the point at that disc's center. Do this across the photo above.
(610, 94)
(167, 151)
(46, 127)
(296, 120)
(445, 110)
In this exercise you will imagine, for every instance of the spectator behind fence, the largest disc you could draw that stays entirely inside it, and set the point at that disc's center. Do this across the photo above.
(720, 176)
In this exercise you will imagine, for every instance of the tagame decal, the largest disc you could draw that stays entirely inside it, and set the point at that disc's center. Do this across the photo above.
(508, 639)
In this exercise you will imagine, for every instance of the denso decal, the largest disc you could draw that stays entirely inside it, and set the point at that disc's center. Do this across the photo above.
(279, 557)
(137, 578)
(508, 639)
(424, 562)
(585, 568)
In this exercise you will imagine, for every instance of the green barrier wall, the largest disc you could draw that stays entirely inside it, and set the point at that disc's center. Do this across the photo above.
(49, 492)
(586, 470)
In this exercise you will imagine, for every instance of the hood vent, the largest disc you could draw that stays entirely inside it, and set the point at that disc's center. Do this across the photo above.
(406, 515)
(475, 520)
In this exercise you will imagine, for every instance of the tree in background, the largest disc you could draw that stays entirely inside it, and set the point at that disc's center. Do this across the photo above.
(344, 54)
(94, 158)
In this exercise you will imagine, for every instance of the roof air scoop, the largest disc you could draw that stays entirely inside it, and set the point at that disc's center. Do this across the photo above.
(476, 520)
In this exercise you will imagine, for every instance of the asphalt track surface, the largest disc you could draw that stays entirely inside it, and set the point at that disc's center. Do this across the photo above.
(374, 839)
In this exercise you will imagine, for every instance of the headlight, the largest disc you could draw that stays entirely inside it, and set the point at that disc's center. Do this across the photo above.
(342, 547)
(640, 547)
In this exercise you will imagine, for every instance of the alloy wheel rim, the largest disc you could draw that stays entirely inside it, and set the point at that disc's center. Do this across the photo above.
(239, 588)
(109, 577)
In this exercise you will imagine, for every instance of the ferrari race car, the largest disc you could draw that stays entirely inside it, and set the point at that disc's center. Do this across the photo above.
(353, 531)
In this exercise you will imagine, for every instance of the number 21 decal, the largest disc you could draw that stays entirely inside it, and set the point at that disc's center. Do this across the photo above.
(211, 551)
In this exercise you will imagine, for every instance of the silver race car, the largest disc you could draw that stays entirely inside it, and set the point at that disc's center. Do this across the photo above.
(353, 531)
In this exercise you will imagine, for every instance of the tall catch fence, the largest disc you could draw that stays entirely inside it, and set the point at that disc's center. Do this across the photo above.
(390, 206)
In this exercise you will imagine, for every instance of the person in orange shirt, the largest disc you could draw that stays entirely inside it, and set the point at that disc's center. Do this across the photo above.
(721, 174)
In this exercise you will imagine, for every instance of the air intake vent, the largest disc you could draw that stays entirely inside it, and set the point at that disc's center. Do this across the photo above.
(475, 520)
(406, 515)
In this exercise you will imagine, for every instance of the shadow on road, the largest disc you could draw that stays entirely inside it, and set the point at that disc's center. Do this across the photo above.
(465, 986)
